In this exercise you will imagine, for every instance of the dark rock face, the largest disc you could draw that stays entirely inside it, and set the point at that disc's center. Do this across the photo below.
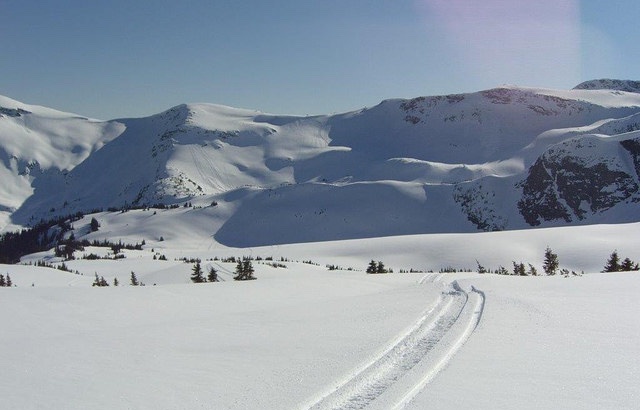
(633, 146)
(565, 185)
(539, 197)
(13, 112)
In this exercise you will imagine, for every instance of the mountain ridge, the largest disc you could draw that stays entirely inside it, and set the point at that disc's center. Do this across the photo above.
(454, 163)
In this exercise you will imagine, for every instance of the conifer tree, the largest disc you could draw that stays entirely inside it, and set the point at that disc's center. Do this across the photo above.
(380, 268)
(213, 275)
(551, 263)
(8, 283)
(518, 269)
(613, 264)
(244, 270)
(3, 283)
(115, 282)
(247, 268)
(373, 267)
(629, 265)
(95, 225)
(134, 280)
(196, 276)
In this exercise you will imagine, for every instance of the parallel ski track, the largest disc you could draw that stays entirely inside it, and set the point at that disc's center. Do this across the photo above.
(368, 383)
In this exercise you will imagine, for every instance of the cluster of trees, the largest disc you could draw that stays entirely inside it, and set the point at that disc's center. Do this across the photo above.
(614, 265)
(197, 275)
(100, 281)
(14, 245)
(377, 267)
(66, 248)
(550, 267)
(244, 270)
(5, 282)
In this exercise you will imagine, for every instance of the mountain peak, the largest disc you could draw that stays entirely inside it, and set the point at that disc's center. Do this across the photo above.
(610, 84)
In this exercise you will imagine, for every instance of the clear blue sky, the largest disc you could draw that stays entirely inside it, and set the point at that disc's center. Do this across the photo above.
(111, 59)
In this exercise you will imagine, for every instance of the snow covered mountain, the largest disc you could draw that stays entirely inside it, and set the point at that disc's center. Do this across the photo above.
(506, 158)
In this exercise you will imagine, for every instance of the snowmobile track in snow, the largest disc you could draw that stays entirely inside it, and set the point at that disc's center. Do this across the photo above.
(394, 378)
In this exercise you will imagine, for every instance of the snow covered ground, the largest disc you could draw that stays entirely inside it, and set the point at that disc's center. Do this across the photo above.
(305, 337)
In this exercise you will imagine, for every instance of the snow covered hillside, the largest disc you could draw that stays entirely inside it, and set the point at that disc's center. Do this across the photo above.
(500, 159)
(306, 337)
(37, 141)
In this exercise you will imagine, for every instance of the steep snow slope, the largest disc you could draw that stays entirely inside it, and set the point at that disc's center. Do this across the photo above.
(36, 140)
(456, 163)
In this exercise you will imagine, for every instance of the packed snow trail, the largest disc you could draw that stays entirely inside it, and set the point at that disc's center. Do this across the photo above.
(394, 378)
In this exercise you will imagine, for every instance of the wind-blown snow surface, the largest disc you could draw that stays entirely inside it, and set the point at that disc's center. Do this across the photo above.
(297, 334)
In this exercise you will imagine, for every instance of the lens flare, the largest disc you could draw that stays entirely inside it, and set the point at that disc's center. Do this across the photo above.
(520, 42)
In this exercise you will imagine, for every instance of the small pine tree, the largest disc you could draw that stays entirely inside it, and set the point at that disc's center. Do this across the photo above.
(481, 269)
(551, 263)
(134, 280)
(8, 283)
(3, 283)
(213, 275)
(115, 282)
(100, 281)
(248, 271)
(244, 270)
(518, 269)
(95, 225)
(373, 267)
(380, 268)
(613, 264)
(532, 270)
(629, 265)
(196, 276)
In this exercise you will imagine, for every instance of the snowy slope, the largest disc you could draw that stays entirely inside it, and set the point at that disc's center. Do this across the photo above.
(37, 141)
(458, 163)
(304, 337)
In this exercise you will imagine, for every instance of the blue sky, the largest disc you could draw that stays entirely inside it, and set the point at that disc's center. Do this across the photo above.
(112, 59)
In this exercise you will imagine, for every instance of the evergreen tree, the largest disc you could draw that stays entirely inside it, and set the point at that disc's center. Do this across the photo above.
(248, 271)
(95, 225)
(239, 270)
(481, 269)
(134, 280)
(380, 268)
(629, 265)
(8, 283)
(244, 270)
(213, 275)
(115, 282)
(613, 264)
(518, 269)
(373, 267)
(3, 283)
(100, 281)
(551, 263)
(196, 276)
(532, 270)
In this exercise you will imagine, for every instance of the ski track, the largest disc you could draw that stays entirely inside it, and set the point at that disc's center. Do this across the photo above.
(416, 356)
